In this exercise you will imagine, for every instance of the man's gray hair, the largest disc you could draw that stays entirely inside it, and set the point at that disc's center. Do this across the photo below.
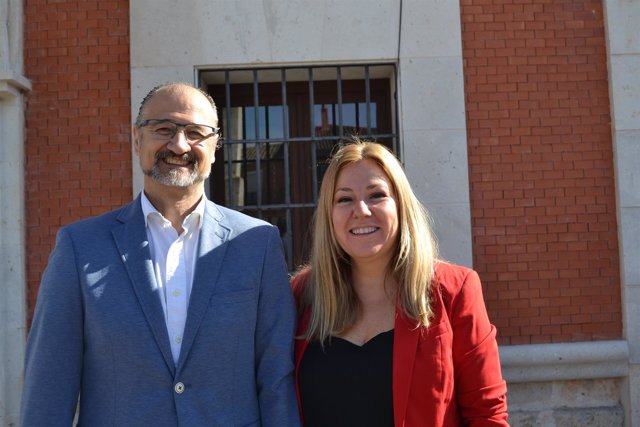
(153, 91)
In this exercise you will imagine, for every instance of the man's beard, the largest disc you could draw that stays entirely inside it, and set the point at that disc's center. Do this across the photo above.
(175, 177)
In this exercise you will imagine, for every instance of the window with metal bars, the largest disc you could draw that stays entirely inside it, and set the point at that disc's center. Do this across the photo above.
(279, 127)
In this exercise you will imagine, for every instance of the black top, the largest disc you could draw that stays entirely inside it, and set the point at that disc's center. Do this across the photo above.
(348, 385)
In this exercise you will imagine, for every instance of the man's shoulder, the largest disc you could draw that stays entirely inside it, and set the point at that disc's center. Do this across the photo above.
(235, 219)
(97, 222)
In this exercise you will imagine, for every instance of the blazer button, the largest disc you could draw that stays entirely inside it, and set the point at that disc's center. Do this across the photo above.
(179, 388)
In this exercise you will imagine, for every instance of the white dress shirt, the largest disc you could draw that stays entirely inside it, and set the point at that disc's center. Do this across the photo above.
(174, 261)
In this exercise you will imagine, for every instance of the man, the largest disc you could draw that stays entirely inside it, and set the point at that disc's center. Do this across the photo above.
(171, 310)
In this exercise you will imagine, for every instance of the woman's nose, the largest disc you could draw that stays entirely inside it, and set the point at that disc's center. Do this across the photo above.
(361, 208)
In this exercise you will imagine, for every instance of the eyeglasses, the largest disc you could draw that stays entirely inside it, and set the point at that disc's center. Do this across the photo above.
(165, 129)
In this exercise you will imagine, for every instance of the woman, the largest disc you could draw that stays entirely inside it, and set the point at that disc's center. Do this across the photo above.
(388, 333)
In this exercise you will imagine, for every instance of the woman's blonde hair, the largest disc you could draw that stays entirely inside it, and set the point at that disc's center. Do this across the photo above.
(328, 290)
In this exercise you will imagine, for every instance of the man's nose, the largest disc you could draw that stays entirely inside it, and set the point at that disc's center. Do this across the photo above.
(179, 144)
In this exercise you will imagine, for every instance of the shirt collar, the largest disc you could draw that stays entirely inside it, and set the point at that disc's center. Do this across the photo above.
(148, 209)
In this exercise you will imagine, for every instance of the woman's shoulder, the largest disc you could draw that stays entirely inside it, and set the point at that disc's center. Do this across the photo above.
(451, 279)
(299, 281)
(445, 270)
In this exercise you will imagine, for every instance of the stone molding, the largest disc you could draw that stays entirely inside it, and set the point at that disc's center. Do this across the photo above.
(565, 361)
(12, 86)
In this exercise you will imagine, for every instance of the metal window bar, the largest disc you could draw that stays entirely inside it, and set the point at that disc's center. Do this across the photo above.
(229, 140)
(256, 105)
(367, 97)
(339, 94)
(314, 148)
(288, 240)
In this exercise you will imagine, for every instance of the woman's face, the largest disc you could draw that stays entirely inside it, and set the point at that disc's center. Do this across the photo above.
(365, 213)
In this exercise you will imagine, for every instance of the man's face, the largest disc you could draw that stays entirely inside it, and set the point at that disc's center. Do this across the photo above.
(184, 159)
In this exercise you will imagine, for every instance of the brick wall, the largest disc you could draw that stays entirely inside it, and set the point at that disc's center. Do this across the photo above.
(78, 151)
(541, 168)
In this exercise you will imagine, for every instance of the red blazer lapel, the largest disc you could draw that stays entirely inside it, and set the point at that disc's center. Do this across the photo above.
(405, 346)
(301, 344)
(300, 347)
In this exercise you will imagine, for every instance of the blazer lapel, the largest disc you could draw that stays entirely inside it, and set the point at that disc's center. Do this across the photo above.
(133, 244)
(300, 346)
(211, 252)
(405, 346)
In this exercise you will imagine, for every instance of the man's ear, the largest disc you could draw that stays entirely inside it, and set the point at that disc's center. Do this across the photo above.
(214, 148)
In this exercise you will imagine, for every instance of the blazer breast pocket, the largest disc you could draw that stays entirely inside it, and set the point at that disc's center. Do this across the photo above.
(230, 318)
(233, 311)
(233, 297)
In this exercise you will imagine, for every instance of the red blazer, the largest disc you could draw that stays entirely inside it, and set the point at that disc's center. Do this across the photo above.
(449, 373)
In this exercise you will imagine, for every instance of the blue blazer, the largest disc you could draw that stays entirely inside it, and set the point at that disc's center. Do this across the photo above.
(99, 331)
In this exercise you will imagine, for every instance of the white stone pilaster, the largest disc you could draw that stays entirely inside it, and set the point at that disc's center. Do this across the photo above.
(431, 98)
(623, 49)
(12, 227)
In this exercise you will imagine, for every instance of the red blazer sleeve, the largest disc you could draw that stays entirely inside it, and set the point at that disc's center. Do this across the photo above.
(480, 389)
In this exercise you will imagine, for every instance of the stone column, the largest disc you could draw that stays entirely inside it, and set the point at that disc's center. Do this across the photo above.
(13, 86)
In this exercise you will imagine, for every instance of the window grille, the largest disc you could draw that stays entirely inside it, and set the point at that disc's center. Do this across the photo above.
(279, 127)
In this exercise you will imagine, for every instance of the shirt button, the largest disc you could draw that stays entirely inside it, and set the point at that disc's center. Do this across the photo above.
(176, 292)
(178, 340)
(179, 388)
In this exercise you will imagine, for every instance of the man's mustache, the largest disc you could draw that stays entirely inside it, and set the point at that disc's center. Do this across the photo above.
(188, 157)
